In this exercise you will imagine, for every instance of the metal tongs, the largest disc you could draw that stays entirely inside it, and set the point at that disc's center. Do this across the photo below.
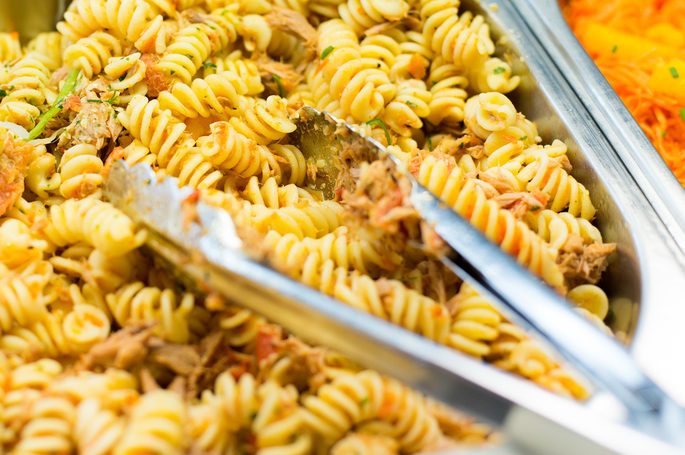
(209, 250)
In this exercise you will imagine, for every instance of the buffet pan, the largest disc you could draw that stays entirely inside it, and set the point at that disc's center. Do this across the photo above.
(644, 278)
(664, 192)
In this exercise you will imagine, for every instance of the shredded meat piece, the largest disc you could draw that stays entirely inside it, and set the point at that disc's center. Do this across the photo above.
(147, 381)
(294, 23)
(289, 76)
(182, 359)
(14, 161)
(306, 369)
(155, 79)
(123, 349)
(95, 123)
(72, 103)
(584, 263)
(519, 203)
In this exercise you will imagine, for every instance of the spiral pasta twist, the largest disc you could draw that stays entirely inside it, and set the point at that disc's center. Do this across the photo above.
(209, 426)
(136, 152)
(494, 76)
(91, 54)
(404, 113)
(499, 225)
(216, 94)
(97, 431)
(9, 46)
(80, 171)
(245, 69)
(365, 443)
(361, 15)
(193, 44)
(357, 83)
(50, 427)
(157, 425)
(230, 150)
(292, 163)
(345, 402)
(241, 326)
(21, 300)
(137, 303)
(556, 228)
(19, 246)
(279, 422)
(29, 77)
(125, 73)
(310, 219)
(565, 191)
(325, 8)
(489, 112)
(270, 195)
(383, 48)
(95, 222)
(264, 121)
(127, 19)
(448, 94)
(475, 323)
(49, 46)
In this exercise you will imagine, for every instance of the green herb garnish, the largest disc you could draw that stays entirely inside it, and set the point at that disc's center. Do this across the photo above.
(499, 70)
(380, 123)
(410, 104)
(523, 138)
(674, 72)
(614, 49)
(209, 65)
(67, 88)
(2, 93)
(682, 113)
(279, 84)
(326, 52)
(429, 141)
(94, 101)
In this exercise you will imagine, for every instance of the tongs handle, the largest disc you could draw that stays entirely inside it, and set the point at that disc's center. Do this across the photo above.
(537, 307)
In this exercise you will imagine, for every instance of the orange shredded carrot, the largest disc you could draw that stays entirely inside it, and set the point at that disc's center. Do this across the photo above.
(661, 115)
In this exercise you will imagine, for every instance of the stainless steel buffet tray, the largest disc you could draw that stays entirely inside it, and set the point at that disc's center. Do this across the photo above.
(644, 277)
(643, 281)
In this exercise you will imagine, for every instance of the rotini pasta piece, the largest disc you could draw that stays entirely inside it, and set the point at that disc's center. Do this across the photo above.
(489, 112)
(50, 427)
(292, 163)
(271, 195)
(358, 443)
(238, 399)
(91, 54)
(80, 171)
(156, 35)
(499, 225)
(19, 246)
(241, 326)
(157, 426)
(494, 76)
(509, 144)
(42, 178)
(21, 301)
(413, 425)
(113, 389)
(279, 423)
(363, 14)
(339, 246)
(255, 31)
(29, 79)
(591, 298)
(216, 94)
(209, 426)
(347, 401)
(137, 303)
(448, 94)
(166, 138)
(127, 19)
(125, 73)
(50, 46)
(193, 44)
(93, 221)
(383, 48)
(9, 46)
(414, 59)
(556, 228)
(311, 219)
(475, 323)
(85, 326)
(230, 150)
(404, 113)
(565, 192)
(136, 152)
(463, 39)
(264, 121)
(97, 431)
(245, 69)
(325, 8)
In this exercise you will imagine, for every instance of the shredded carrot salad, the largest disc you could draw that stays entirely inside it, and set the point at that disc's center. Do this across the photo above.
(639, 45)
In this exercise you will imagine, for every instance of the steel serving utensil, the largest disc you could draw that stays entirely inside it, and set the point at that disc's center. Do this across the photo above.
(30, 17)
(207, 249)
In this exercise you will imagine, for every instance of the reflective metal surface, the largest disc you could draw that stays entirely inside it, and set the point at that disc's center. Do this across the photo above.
(30, 17)
(207, 249)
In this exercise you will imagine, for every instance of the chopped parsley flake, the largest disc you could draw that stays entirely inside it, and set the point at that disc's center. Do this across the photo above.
(614, 49)
(410, 104)
(381, 124)
(682, 113)
(209, 65)
(499, 70)
(674, 72)
(326, 52)
(279, 83)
